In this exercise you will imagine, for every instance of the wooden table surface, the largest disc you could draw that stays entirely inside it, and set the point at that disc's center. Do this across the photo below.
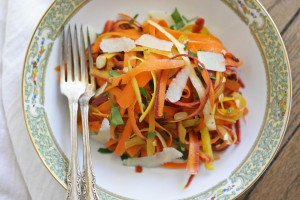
(282, 178)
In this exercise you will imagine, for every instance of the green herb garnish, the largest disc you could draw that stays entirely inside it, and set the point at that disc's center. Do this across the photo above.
(104, 150)
(184, 152)
(131, 21)
(185, 47)
(117, 67)
(177, 19)
(151, 135)
(201, 79)
(165, 115)
(151, 85)
(180, 144)
(188, 20)
(124, 156)
(229, 111)
(115, 115)
(144, 93)
(144, 101)
(212, 77)
(200, 67)
(98, 34)
(172, 27)
(113, 73)
(105, 94)
(192, 54)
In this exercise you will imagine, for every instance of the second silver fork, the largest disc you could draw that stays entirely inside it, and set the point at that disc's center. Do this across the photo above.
(88, 178)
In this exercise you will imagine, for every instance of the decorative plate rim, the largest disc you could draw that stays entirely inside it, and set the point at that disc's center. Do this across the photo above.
(289, 107)
(282, 131)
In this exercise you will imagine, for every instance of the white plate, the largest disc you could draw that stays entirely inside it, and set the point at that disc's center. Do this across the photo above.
(245, 29)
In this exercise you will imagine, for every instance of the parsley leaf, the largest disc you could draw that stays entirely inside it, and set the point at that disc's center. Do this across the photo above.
(180, 144)
(188, 20)
(115, 115)
(229, 111)
(144, 101)
(104, 150)
(192, 54)
(200, 67)
(151, 135)
(151, 85)
(177, 19)
(131, 21)
(144, 93)
(105, 94)
(185, 153)
(117, 67)
(185, 47)
(124, 156)
(172, 27)
(113, 73)
(201, 79)
(201, 70)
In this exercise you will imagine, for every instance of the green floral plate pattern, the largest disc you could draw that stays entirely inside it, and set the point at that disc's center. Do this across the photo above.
(277, 69)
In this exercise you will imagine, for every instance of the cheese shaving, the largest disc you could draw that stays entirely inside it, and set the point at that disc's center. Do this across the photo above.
(167, 155)
(113, 45)
(104, 133)
(212, 61)
(150, 41)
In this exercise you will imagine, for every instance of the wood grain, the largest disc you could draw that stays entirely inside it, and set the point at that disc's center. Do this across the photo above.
(282, 179)
(281, 11)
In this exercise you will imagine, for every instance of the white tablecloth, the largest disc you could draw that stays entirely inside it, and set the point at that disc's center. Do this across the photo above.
(22, 174)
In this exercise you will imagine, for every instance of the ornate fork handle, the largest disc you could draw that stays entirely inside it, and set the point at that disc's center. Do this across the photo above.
(88, 178)
(73, 177)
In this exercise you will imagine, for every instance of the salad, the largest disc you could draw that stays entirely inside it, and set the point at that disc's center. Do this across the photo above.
(168, 92)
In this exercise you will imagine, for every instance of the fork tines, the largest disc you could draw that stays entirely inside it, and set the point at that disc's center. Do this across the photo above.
(75, 58)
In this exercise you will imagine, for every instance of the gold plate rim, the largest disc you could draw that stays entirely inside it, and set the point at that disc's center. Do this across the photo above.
(265, 168)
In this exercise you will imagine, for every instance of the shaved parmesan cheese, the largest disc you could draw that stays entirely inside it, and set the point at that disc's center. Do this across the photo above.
(100, 90)
(150, 41)
(167, 155)
(177, 85)
(104, 133)
(158, 14)
(112, 45)
(212, 61)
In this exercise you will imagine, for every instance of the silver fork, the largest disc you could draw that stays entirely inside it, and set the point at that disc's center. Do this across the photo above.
(88, 178)
(72, 86)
